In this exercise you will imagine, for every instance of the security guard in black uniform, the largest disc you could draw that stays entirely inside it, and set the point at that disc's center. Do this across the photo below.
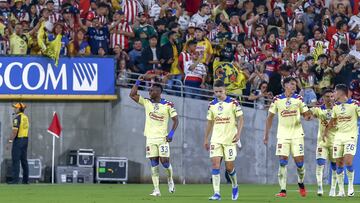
(19, 138)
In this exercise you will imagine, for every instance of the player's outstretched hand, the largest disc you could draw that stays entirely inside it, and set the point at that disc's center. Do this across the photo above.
(168, 139)
(141, 78)
(206, 145)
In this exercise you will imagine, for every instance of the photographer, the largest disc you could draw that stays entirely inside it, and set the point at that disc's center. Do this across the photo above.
(343, 71)
(261, 97)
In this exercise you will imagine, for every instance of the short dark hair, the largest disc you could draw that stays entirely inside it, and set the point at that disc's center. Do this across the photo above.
(191, 42)
(158, 85)
(342, 87)
(219, 83)
(326, 90)
(289, 79)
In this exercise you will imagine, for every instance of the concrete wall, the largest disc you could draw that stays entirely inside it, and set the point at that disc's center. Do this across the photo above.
(116, 129)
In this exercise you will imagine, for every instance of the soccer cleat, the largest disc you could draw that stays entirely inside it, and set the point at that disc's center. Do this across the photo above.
(320, 191)
(156, 193)
(351, 192)
(235, 193)
(280, 194)
(341, 194)
(302, 192)
(171, 186)
(332, 192)
(216, 196)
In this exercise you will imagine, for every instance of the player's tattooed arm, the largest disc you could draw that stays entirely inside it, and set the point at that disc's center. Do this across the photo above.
(133, 93)
(269, 121)
(209, 127)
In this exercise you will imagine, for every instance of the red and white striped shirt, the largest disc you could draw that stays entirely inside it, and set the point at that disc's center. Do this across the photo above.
(212, 34)
(55, 17)
(235, 30)
(313, 43)
(102, 20)
(242, 58)
(338, 39)
(294, 56)
(184, 57)
(131, 8)
(120, 39)
(39, 8)
(258, 42)
(281, 44)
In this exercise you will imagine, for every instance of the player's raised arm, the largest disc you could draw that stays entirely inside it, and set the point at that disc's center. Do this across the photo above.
(269, 121)
(133, 93)
(209, 128)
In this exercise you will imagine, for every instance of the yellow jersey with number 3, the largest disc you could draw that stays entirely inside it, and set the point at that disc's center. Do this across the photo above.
(289, 112)
(224, 114)
(157, 117)
(324, 115)
(346, 115)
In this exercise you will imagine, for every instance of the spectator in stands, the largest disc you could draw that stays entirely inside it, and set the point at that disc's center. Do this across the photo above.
(98, 36)
(151, 55)
(195, 75)
(135, 57)
(33, 16)
(144, 30)
(343, 71)
(59, 29)
(356, 50)
(261, 96)
(79, 46)
(201, 17)
(324, 74)
(307, 82)
(170, 55)
(258, 76)
(121, 32)
(19, 41)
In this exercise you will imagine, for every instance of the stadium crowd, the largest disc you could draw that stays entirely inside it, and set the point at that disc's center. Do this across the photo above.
(249, 44)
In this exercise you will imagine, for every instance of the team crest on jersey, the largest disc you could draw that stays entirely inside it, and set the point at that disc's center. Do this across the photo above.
(156, 107)
(147, 148)
(220, 108)
(319, 150)
(335, 149)
(279, 146)
(342, 107)
(212, 147)
(328, 114)
(288, 103)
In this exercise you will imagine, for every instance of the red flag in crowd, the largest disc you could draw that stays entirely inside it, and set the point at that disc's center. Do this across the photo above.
(84, 7)
(55, 127)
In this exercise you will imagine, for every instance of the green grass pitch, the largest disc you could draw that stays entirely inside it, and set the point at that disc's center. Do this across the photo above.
(134, 193)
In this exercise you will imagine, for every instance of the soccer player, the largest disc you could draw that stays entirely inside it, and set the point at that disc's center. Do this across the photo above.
(157, 111)
(344, 116)
(324, 149)
(225, 122)
(290, 134)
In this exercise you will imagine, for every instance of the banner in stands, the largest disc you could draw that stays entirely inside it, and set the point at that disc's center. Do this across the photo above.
(34, 77)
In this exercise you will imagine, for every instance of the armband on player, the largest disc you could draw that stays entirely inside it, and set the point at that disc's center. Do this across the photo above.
(137, 83)
(171, 134)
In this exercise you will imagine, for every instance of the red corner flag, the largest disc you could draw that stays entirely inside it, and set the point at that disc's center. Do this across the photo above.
(55, 127)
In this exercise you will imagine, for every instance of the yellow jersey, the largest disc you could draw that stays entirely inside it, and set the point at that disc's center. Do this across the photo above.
(289, 112)
(21, 123)
(19, 44)
(346, 115)
(324, 116)
(205, 49)
(224, 114)
(157, 117)
(174, 66)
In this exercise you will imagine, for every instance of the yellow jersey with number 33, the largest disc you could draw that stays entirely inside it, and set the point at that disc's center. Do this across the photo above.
(346, 115)
(224, 114)
(157, 117)
(289, 112)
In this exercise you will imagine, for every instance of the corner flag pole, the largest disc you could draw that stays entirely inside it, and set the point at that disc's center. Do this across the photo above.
(53, 161)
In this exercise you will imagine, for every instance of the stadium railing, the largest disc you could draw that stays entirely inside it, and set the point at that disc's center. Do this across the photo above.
(179, 89)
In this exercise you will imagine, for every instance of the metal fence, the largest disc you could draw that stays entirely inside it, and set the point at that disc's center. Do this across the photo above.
(127, 80)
